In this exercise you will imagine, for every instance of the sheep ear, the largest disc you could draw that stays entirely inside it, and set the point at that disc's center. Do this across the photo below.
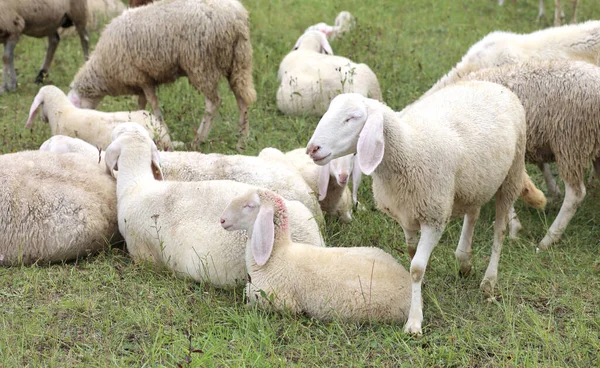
(298, 43)
(325, 46)
(369, 150)
(263, 235)
(111, 157)
(323, 180)
(356, 179)
(156, 170)
(33, 111)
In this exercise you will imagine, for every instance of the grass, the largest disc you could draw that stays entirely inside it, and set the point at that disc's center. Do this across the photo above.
(106, 311)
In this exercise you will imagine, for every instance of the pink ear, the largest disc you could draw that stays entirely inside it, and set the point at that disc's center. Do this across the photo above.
(325, 44)
(263, 235)
(298, 42)
(33, 111)
(356, 178)
(111, 157)
(74, 98)
(156, 170)
(369, 150)
(323, 180)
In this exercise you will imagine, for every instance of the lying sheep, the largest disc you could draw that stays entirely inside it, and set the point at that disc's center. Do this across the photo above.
(562, 105)
(175, 224)
(92, 126)
(328, 182)
(196, 166)
(355, 284)
(311, 76)
(343, 23)
(55, 207)
(424, 171)
(151, 45)
(38, 18)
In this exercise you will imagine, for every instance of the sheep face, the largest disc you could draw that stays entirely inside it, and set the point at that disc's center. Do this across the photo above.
(83, 102)
(341, 168)
(241, 212)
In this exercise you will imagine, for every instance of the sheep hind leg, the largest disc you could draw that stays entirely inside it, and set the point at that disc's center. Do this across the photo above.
(464, 249)
(514, 225)
(210, 110)
(551, 185)
(430, 236)
(541, 11)
(558, 13)
(503, 206)
(53, 41)
(150, 95)
(10, 75)
(574, 195)
(412, 238)
(244, 127)
(574, 17)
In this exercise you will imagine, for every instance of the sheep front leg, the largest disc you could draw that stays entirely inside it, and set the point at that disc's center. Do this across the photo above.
(150, 95)
(514, 225)
(85, 41)
(574, 195)
(243, 122)
(551, 185)
(10, 75)
(211, 107)
(542, 11)
(464, 250)
(490, 278)
(429, 239)
(411, 238)
(53, 41)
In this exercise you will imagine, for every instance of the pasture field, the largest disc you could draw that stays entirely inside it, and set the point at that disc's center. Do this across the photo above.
(107, 311)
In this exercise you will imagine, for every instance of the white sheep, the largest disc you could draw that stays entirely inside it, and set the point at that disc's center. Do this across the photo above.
(92, 126)
(99, 12)
(196, 166)
(446, 155)
(55, 207)
(558, 12)
(176, 224)
(38, 18)
(311, 76)
(343, 23)
(151, 45)
(355, 284)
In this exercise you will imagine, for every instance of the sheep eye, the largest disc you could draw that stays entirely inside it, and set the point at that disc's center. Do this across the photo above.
(347, 120)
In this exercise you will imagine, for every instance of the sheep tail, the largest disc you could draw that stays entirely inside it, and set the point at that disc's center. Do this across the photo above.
(531, 194)
(240, 79)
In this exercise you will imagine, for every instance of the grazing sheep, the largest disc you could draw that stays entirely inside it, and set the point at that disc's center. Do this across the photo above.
(445, 156)
(55, 207)
(343, 23)
(38, 18)
(92, 126)
(355, 284)
(151, 45)
(175, 224)
(99, 12)
(311, 76)
(562, 105)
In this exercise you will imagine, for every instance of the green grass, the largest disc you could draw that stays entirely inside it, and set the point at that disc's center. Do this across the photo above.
(107, 311)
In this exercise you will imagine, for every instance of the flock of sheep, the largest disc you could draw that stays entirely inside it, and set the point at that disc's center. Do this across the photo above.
(102, 178)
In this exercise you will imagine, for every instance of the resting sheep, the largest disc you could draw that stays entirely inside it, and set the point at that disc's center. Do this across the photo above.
(175, 224)
(562, 105)
(446, 155)
(355, 284)
(151, 45)
(311, 76)
(92, 126)
(55, 207)
(343, 23)
(38, 18)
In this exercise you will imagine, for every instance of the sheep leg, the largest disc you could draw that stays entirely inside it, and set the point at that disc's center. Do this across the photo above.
(514, 225)
(558, 13)
(597, 168)
(463, 251)
(85, 40)
(542, 11)
(243, 122)
(411, 237)
(551, 185)
(430, 236)
(574, 17)
(211, 107)
(53, 41)
(574, 195)
(142, 102)
(10, 75)
(490, 278)
(150, 95)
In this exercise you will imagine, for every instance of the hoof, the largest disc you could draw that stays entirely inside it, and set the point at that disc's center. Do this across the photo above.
(465, 271)
(42, 75)
(487, 286)
(413, 328)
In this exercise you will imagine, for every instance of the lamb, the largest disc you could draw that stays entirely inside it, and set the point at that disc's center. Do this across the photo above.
(311, 76)
(55, 208)
(152, 45)
(328, 182)
(196, 166)
(355, 284)
(558, 13)
(561, 100)
(423, 172)
(175, 224)
(343, 23)
(38, 18)
(92, 126)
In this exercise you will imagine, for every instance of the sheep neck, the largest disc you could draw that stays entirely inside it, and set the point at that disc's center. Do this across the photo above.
(134, 169)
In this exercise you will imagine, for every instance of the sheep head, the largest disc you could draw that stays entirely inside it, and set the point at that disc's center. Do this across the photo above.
(314, 41)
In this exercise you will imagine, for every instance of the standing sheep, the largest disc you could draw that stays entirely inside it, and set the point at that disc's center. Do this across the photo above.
(151, 45)
(356, 284)
(343, 23)
(562, 105)
(447, 155)
(558, 12)
(311, 76)
(38, 18)
(55, 207)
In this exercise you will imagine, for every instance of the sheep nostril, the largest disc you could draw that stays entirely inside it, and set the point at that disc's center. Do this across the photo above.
(312, 149)
(222, 221)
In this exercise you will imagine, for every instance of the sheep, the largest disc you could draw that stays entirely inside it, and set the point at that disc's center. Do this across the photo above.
(175, 224)
(561, 100)
(558, 13)
(343, 23)
(38, 18)
(196, 166)
(447, 155)
(328, 182)
(311, 76)
(92, 126)
(355, 284)
(152, 45)
(55, 208)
